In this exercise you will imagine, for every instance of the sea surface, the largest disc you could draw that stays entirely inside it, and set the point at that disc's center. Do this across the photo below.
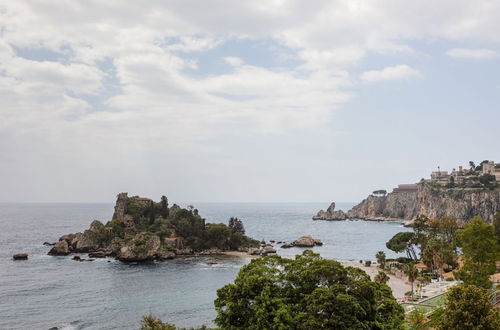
(47, 292)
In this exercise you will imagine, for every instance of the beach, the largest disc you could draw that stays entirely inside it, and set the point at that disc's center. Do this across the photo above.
(398, 285)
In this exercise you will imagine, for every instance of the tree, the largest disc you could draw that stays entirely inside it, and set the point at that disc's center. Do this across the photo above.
(403, 241)
(236, 225)
(487, 179)
(305, 293)
(469, 307)
(381, 277)
(381, 192)
(164, 207)
(417, 320)
(412, 274)
(480, 249)
(472, 165)
(380, 256)
(496, 225)
(150, 322)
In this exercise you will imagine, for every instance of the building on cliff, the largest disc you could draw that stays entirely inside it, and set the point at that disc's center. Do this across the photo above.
(492, 168)
(461, 176)
(440, 177)
(413, 187)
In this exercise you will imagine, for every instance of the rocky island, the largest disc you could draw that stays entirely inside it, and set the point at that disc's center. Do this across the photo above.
(142, 230)
(462, 194)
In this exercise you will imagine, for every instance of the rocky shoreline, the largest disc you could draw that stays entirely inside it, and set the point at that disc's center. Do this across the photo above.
(429, 199)
(142, 230)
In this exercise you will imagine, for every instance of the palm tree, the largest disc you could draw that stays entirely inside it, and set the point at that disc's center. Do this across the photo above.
(381, 258)
(412, 274)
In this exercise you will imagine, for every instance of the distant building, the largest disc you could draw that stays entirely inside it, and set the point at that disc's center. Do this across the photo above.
(462, 176)
(441, 177)
(406, 188)
(489, 167)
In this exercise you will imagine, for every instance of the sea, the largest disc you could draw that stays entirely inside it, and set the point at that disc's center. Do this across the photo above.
(47, 292)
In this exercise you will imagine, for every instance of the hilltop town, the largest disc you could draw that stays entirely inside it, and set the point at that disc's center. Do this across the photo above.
(484, 175)
(461, 193)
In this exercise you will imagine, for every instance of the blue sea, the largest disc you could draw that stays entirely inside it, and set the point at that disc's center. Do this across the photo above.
(48, 292)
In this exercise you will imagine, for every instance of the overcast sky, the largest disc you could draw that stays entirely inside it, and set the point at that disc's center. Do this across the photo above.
(242, 100)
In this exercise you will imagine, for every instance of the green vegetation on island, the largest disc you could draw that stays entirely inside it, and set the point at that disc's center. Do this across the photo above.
(142, 229)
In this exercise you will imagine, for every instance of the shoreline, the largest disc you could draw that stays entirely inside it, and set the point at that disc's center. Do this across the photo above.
(405, 222)
(239, 254)
(398, 285)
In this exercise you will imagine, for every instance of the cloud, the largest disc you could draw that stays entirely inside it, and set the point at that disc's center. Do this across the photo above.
(398, 72)
(127, 79)
(469, 53)
(233, 61)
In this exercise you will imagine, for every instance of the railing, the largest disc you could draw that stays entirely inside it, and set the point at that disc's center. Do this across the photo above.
(495, 295)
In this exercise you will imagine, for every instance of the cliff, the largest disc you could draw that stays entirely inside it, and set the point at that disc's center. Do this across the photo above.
(431, 200)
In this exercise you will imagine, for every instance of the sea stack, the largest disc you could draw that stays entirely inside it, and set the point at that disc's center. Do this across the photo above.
(330, 214)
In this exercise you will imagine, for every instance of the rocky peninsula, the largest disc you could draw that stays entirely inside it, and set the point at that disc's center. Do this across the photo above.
(431, 200)
(142, 230)
(462, 194)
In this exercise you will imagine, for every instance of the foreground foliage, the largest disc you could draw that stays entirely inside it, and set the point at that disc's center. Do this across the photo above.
(150, 322)
(481, 250)
(305, 293)
(468, 308)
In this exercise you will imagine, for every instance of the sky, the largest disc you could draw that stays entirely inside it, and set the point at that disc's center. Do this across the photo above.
(242, 101)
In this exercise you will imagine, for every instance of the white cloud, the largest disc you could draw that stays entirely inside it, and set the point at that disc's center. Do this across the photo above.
(398, 72)
(152, 91)
(234, 61)
(469, 53)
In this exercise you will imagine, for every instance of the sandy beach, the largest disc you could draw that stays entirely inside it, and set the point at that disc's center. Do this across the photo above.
(240, 254)
(398, 285)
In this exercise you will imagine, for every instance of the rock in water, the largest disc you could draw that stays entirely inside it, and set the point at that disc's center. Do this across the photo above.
(330, 214)
(304, 241)
(60, 249)
(20, 256)
(99, 254)
(267, 250)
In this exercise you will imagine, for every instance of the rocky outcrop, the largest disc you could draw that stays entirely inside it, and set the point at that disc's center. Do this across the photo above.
(141, 248)
(306, 241)
(330, 214)
(61, 248)
(20, 256)
(432, 201)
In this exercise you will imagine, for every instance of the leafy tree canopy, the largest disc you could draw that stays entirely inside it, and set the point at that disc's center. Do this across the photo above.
(403, 241)
(480, 249)
(469, 308)
(305, 293)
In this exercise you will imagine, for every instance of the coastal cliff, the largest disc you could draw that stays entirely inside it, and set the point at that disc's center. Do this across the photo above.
(431, 200)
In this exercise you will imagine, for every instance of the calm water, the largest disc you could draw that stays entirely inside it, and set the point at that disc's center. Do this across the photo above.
(46, 292)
